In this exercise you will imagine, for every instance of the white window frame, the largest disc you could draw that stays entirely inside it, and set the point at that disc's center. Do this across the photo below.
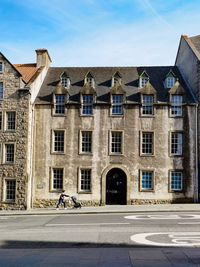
(170, 81)
(53, 141)
(86, 104)
(152, 144)
(4, 154)
(52, 179)
(2, 67)
(146, 105)
(59, 104)
(65, 81)
(5, 190)
(180, 172)
(176, 104)
(176, 143)
(143, 81)
(6, 122)
(117, 105)
(90, 81)
(1, 98)
(143, 189)
(112, 153)
(80, 190)
(81, 143)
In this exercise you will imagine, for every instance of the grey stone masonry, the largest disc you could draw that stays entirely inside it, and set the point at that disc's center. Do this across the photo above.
(13, 171)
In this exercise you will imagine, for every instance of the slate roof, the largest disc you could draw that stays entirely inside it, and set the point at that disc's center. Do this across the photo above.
(27, 71)
(102, 77)
(196, 42)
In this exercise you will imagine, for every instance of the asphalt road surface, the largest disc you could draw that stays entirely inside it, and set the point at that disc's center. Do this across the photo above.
(101, 240)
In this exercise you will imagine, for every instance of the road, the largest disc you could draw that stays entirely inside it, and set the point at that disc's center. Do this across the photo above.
(131, 240)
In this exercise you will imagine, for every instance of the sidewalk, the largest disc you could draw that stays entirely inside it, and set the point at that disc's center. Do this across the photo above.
(108, 209)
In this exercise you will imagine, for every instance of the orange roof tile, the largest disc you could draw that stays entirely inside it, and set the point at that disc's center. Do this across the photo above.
(27, 70)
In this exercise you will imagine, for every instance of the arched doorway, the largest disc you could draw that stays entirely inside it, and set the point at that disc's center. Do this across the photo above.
(116, 187)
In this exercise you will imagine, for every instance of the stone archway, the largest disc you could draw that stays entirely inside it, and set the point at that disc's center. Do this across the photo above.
(121, 176)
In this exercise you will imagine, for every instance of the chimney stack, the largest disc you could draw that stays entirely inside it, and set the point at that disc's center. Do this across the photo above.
(43, 58)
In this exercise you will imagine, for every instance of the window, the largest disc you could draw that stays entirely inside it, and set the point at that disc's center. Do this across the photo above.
(170, 82)
(10, 120)
(176, 181)
(116, 142)
(59, 107)
(0, 121)
(176, 143)
(147, 143)
(1, 67)
(87, 105)
(146, 182)
(65, 81)
(1, 91)
(117, 104)
(147, 105)
(85, 180)
(10, 190)
(58, 142)
(86, 142)
(143, 81)
(176, 105)
(57, 179)
(9, 153)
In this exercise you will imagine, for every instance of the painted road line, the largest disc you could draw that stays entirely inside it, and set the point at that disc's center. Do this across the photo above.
(190, 239)
(83, 224)
(189, 223)
(163, 217)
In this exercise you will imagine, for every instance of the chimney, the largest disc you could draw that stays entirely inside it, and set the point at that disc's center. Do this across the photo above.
(43, 58)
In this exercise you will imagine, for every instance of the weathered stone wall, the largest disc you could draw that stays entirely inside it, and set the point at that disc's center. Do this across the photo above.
(101, 123)
(18, 102)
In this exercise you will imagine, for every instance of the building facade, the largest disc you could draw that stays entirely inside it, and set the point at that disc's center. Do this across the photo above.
(109, 135)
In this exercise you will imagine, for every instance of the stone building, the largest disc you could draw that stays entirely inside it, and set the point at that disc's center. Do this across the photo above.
(188, 62)
(114, 135)
(109, 135)
(19, 85)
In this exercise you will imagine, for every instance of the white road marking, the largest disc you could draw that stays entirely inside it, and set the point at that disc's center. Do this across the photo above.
(189, 223)
(163, 217)
(83, 224)
(191, 239)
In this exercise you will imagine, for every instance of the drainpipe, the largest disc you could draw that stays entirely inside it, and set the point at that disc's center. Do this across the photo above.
(196, 197)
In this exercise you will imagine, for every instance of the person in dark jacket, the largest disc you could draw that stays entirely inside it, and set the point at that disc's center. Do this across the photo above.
(62, 199)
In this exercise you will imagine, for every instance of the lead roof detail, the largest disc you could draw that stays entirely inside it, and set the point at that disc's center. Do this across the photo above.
(103, 82)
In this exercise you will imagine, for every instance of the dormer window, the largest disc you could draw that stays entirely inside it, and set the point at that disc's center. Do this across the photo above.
(176, 105)
(117, 105)
(89, 80)
(170, 80)
(65, 80)
(1, 67)
(147, 105)
(116, 79)
(144, 78)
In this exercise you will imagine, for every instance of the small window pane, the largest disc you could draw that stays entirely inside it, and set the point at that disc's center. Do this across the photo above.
(86, 142)
(0, 120)
(57, 179)
(86, 180)
(9, 153)
(65, 81)
(143, 81)
(10, 190)
(170, 82)
(87, 104)
(117, 104)
(10, 125)
(147, 143)
(59, 141)
(147, 180)
(176, 181)
(116, 142)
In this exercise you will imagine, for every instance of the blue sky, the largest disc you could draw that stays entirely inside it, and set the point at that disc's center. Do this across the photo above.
(97, 32)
